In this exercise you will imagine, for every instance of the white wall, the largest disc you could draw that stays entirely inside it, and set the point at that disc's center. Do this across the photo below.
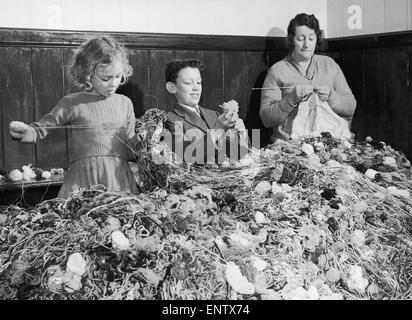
(225, 17)
(356, 17)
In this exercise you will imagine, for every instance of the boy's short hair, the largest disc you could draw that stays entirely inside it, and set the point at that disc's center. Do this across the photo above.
(174, 66)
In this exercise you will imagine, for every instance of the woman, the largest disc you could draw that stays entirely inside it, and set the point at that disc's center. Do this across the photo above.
(297, 76)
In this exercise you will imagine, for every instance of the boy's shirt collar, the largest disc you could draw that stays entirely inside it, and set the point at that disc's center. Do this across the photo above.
(192, 109)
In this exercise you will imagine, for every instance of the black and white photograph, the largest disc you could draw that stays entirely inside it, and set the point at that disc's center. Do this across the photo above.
(209, 156)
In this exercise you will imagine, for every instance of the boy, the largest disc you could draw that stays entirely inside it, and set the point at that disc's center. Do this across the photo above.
(201, 135)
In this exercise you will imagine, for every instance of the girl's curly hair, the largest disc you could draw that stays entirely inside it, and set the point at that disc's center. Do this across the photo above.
(98, 51)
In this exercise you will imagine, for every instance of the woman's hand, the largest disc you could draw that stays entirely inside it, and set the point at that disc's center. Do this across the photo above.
(18, 130)
(300, 92)
(323, 92)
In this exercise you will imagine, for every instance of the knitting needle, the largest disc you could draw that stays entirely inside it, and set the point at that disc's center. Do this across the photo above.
(274, 88)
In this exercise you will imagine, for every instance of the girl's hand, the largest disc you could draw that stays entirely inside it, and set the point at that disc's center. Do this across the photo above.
(17, 130)
(134, 140)
(158, 131)
(323, 92)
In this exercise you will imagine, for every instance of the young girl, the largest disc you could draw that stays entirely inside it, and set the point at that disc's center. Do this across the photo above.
(101, 122)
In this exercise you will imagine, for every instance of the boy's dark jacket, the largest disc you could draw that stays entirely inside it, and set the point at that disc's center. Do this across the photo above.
(180, 121)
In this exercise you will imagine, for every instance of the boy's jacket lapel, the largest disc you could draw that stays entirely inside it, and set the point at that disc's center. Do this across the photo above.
(193, 119)
(209, 116)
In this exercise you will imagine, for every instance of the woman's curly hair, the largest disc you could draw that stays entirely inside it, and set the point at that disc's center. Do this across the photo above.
(303, 19)
(98, 51)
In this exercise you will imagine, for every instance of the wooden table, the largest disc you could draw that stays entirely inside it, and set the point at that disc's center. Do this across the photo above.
(30, 192)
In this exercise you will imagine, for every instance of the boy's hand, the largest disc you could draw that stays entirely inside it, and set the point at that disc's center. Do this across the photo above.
(231, 115)
(226, 121)
(239, 125)
(18, 130)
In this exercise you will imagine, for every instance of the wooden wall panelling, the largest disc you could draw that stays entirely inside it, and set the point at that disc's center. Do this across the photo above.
(68, 87)
(235, 80)
(337, 56)
(396, 97)
(375, 123)
(382, 40)
(274, 56)
(17, 103)
(49, 38)
(409, 88)
(187, 54)
(137, 87)
(159, 97)
(2, 122)
(275, 51)
(212, 79)
(48, 85)
(351, 63)
(256, 72)
(386, 94)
